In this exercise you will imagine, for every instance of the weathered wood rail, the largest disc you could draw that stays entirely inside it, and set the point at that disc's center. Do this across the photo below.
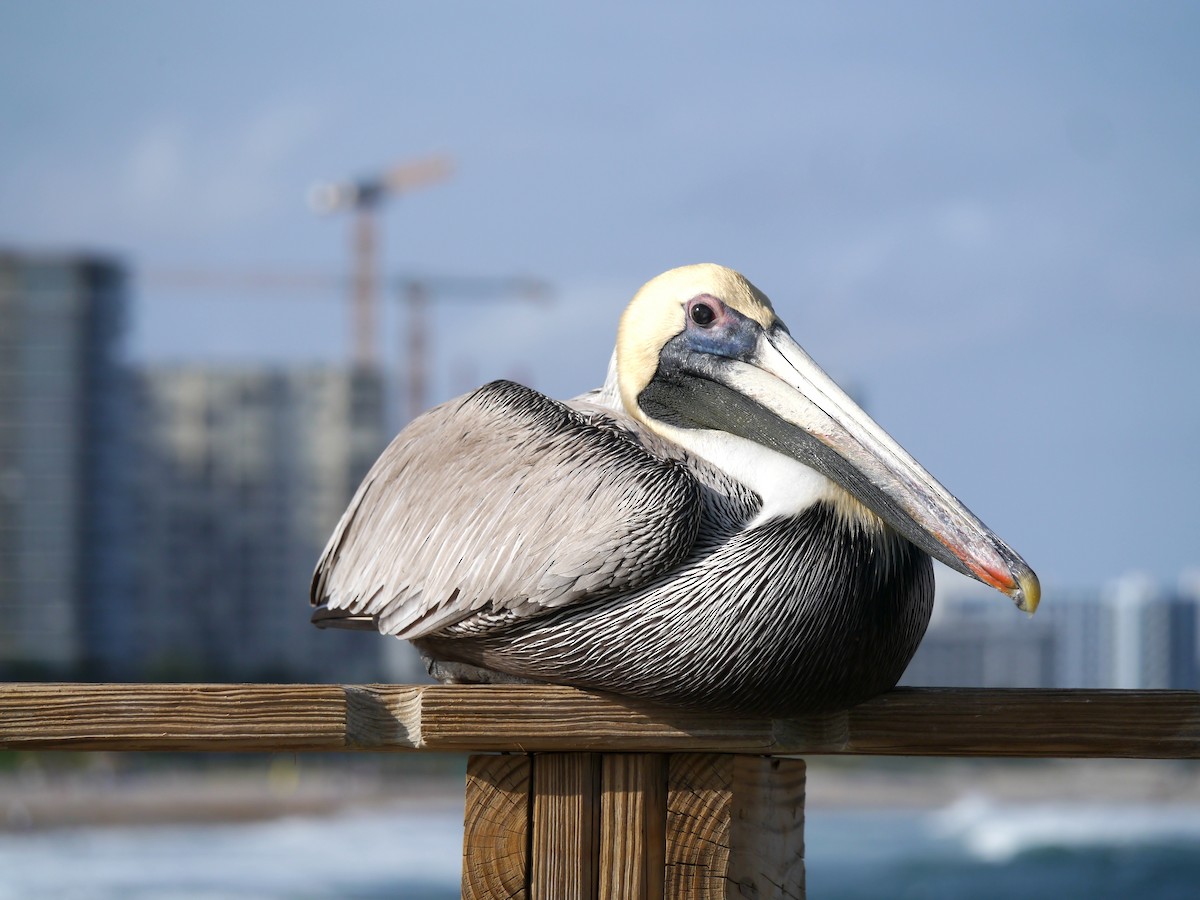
(528, 718)
(599, 796)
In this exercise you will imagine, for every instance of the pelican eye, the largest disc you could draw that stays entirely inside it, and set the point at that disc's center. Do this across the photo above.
(703, 315)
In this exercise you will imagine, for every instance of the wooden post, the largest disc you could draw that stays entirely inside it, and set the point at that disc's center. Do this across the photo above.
(633, 821)
(735, 827)
(563, 863)
(700, 826)
(496, 828)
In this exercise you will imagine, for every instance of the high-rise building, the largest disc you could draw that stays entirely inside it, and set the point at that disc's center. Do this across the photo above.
(1084, 626)
(1133, 633)
(978, 639)
(1154, 635)
(243, 474)
(62, 508)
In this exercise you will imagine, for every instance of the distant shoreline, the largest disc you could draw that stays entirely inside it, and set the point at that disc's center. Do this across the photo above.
(38, 800)
(850, 782)
(189, 796)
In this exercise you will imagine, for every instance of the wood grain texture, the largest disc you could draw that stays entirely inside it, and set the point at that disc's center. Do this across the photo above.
(172, 717)
(735, 827)
(496, 828)
(530, 717)
(527, 718)
(633, 812)
(904, 722)
(699, 820)
(767, 832)
(563, 846)
(1004, 722)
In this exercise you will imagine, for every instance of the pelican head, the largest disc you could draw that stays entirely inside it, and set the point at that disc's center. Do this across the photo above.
(703, 360)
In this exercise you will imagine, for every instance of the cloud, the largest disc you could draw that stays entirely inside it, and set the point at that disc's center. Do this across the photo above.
(185, 176)
(156, 167)
(164, 178)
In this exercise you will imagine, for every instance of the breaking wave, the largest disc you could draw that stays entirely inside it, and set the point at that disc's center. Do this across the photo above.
(994, 832)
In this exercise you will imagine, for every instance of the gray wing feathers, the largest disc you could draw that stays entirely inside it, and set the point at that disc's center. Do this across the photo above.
(504, 501)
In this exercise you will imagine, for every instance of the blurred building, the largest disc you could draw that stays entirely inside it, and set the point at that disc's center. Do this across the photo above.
(1155, 635)
(243, 475)
(1133, 633)
(981, 640)
(1084, 640)
(63, 513)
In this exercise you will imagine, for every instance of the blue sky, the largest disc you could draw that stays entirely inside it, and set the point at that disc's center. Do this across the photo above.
(985, 219)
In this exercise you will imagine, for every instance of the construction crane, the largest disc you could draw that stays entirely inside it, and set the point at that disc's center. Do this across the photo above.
(362, 198)
(415, 293)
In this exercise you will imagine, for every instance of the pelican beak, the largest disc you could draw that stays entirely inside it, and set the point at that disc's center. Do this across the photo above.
(775, 395)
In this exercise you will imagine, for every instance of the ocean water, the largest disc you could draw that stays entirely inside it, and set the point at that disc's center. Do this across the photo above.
(988, 851)
(974, 848)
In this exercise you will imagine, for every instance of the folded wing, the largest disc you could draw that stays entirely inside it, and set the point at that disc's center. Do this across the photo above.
(501, 503)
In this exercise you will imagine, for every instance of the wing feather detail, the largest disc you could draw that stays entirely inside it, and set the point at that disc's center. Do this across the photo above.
(504, 502)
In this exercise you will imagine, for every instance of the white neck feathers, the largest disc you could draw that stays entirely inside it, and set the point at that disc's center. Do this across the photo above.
(786, 486)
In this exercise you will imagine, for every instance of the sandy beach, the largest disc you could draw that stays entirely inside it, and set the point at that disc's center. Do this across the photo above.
(870, 782)
(110, 791)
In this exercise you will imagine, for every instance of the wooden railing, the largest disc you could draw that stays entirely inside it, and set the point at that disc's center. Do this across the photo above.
(600, 796)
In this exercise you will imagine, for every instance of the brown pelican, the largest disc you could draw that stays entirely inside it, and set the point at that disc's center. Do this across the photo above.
(720, 526)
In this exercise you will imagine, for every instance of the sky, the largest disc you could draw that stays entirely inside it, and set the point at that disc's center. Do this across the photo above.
(983, 219)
